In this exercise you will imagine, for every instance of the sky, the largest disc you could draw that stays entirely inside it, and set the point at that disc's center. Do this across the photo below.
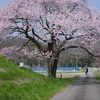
(93, 3)
(4, 2)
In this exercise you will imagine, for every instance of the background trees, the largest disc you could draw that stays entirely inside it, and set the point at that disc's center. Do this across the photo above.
(52, 25)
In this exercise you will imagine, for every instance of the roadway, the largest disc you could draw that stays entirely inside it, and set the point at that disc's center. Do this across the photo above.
(85, 88)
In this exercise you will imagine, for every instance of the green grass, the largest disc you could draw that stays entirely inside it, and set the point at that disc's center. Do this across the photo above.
(22, 84)
(97, 74)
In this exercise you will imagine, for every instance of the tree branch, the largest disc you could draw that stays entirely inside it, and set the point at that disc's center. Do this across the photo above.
(74, 6)
(92, 55)
(38, 36)
(67, 36)
(33, 39)
(25, 44)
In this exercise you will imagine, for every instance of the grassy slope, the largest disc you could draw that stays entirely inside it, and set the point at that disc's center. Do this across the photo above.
(97, 74)
(22, 84)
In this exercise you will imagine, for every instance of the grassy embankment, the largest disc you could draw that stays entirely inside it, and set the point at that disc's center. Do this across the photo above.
(97, 74)
(22, 84)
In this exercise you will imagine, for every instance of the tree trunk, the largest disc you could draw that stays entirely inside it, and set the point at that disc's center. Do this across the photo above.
(52, 66)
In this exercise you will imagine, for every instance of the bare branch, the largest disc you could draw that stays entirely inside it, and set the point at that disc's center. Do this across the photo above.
(92, 55)
(38, 36)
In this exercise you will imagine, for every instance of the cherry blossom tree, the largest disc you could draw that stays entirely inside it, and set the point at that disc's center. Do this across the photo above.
(16, 54)
(52, 25)
(11, 53)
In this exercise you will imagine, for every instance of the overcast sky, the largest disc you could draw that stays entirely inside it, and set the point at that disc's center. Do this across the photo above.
(93, 3)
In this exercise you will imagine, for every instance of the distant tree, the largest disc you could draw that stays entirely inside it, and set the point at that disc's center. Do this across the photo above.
(55, 23)
(86, 61)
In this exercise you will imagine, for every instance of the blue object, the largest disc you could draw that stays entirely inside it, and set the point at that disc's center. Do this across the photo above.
(67, 68)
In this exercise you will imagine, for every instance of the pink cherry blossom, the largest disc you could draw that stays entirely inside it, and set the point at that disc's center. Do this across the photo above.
(52, 25)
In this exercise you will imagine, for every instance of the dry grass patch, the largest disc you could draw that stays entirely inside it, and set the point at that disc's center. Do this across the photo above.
(2, 69)
(22, 81)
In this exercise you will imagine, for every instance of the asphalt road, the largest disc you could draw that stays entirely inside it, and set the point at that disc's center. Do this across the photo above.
(85, 88)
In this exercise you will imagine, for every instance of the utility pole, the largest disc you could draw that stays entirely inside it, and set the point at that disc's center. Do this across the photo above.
(76, 56)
